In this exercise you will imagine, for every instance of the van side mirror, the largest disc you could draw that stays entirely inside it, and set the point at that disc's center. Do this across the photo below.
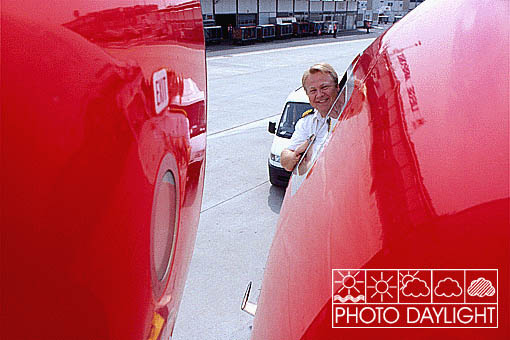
(272, 127)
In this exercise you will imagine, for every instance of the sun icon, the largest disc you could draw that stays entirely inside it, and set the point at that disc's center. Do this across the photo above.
(382, 286)
(406, 277)
(349, 282)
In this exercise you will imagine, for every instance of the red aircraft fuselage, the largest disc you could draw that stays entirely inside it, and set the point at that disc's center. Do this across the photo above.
(103, 154)
(414, 178)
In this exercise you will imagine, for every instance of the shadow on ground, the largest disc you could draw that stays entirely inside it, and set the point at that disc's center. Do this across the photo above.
(275, 198)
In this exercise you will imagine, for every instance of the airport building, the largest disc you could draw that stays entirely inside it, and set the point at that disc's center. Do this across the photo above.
(233, 17)
(385, 11)
(260, 12)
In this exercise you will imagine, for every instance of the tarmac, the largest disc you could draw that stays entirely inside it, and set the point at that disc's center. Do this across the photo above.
(227, 47)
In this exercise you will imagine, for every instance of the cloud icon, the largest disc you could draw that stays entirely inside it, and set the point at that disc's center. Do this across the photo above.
(448, 288)
(481, 287)
(415, 288)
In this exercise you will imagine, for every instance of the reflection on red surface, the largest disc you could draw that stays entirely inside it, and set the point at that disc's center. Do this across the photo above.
(415, 175)
(83, 156)
(140, 24)
(401, 196)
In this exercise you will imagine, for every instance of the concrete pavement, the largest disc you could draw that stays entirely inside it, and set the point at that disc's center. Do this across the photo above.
(226, 47)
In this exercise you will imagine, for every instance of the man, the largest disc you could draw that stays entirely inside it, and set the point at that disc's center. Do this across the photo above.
(320, 82)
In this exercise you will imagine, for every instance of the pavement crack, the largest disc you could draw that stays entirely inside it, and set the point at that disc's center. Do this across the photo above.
(237, 195)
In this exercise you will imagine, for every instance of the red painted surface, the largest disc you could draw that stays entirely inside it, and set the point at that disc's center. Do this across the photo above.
(416, 174)
(84, 152)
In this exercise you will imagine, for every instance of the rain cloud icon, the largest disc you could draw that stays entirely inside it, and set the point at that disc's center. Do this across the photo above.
(481, 288)
(448, 288)
(415, 287)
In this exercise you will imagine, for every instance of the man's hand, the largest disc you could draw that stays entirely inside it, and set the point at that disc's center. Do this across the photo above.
(290, 158)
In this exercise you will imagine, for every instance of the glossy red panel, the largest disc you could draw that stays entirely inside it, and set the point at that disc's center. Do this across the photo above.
(415, 175)
(100, 99)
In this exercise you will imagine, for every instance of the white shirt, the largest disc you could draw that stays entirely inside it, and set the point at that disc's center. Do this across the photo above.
(312, 124)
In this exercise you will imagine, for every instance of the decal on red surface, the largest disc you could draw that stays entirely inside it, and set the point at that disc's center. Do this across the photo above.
(418, 298)
(160, 86)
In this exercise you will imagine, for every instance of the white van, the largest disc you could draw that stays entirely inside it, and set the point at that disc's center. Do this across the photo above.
(296, 104)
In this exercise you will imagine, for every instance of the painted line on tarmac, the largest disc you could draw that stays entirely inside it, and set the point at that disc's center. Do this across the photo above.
(241, 127)
(243, 54)
(231, 198)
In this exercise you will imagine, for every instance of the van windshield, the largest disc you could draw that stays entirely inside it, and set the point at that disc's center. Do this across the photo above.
(291, 114)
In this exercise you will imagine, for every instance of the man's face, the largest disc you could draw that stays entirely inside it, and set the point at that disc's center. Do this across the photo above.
(321, 91)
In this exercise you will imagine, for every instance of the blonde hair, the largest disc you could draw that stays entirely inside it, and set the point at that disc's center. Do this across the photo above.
(320, 67)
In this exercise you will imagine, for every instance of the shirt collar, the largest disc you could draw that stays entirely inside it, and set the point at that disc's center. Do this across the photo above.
(317, 115)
